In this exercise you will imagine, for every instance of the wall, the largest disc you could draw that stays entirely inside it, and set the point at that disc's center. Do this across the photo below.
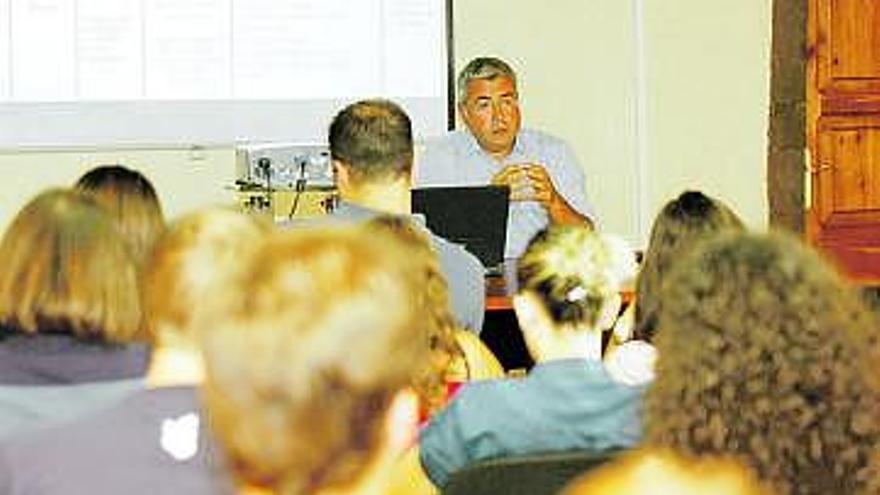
(183, 179)
(655, 96)
(708, 78)
(688, 110)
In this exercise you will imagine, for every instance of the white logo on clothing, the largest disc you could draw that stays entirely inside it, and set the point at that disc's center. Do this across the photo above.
(180, 436)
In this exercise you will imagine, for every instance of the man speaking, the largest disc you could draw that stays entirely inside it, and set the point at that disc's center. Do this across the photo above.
(546, 181)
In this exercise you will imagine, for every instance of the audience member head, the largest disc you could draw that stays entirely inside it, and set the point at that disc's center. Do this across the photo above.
(762, 355)
(67, 269)
(662, 472)
(190, 260)
(371, 142)
(132, 202)
(308, 354)
(569, 279)
(488, 103)
(438, 326)
(682, 223)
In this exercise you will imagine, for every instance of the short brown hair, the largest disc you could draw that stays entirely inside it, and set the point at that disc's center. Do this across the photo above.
(191, 258)
(304, 354)
(682, 223)
(132, 202)
(373, 138)
(67, 269)
(764, 354)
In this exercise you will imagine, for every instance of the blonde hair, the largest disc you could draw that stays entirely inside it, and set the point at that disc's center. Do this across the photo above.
(574, 270)
(304, 353)
(66, 268)
(131, 201)
(663, 472)
(193, 257)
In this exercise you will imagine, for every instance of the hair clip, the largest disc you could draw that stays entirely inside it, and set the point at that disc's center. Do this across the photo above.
(576, 294)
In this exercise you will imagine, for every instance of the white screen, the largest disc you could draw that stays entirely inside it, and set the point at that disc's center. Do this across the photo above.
(93, 72)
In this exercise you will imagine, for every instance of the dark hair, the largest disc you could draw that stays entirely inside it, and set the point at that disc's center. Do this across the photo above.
(373, 138)
(682, 222)
(130, 200)
(765, 354)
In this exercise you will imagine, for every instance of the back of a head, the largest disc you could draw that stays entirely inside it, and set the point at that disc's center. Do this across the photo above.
(304, 354)
(482, 68)
(438, 325)
(764, 354)
(192, 258)
(66, 269)
(373, 138)
(130, 199)
(574, 270)
(660, 472)
(682, 223)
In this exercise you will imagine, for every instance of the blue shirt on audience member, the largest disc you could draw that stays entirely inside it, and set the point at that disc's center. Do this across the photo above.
(562, 405)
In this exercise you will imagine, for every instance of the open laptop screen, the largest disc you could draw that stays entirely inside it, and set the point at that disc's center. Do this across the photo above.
(475, 217)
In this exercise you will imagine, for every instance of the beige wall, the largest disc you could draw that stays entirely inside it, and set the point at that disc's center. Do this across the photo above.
(708, 79)
(697, 120)
(689, 112)
(183, 179)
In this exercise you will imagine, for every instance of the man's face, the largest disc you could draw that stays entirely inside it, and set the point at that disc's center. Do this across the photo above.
(491, 112)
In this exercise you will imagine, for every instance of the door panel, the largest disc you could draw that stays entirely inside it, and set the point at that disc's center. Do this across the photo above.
(844, 133)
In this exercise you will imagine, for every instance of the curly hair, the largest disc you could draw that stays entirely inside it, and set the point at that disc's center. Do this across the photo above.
(763, 354)
(439, 324)
(682, 223)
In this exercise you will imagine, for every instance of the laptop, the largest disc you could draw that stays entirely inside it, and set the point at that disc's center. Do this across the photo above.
(475, 217)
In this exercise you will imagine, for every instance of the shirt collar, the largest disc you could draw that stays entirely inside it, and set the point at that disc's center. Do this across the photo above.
(473, 147)
(360, 213)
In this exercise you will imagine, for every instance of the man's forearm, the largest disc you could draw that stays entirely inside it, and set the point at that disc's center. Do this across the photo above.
(561, 212)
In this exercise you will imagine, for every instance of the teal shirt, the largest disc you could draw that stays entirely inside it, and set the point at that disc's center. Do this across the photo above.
(562, 405)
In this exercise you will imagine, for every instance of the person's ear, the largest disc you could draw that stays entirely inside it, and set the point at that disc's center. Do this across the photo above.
(532, 316)
(402, 420)
(463, 114)
(609, 311)
(341, 174)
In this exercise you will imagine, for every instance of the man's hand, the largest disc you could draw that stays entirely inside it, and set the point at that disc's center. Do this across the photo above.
(531, 182)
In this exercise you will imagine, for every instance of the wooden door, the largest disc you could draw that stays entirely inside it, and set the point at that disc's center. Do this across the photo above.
(843, 98)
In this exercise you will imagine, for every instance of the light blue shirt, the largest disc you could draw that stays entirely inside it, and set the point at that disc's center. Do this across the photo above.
(562, 405)
(457, 160)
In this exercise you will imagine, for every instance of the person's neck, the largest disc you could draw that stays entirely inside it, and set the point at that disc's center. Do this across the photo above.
(375, 481)
(581, 343)
(500, 156)
(174, 366)
(393, 197)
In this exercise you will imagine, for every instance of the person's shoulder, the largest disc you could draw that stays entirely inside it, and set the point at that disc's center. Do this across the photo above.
(455, 253)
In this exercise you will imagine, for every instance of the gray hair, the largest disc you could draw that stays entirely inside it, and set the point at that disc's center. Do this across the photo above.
(482, 68)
